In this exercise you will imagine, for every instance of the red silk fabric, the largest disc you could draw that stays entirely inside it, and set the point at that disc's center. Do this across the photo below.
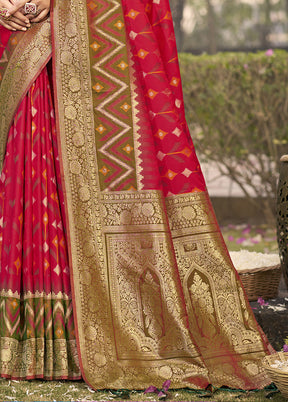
(33, 249)
(4, 37)
(30, 190)
(151, 38)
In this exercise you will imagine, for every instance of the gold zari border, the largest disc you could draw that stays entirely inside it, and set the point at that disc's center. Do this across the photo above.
(39, 358)
(27, 59)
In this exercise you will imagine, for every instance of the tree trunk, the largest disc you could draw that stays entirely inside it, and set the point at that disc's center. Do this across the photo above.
(177, 7)
(212, 28)
(265, 43)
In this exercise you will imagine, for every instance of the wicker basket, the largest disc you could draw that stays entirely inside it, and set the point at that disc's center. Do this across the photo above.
(261, 282)
(278, 376)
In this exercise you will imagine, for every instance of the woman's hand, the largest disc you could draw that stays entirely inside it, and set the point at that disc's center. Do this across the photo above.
(14, 20)
(43, 9)
(17, 19)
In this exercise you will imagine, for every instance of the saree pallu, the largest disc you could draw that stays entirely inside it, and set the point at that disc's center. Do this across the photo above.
(155, 295)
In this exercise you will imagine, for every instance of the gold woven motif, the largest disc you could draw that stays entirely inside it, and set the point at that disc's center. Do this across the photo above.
(39, 358)
(203, 261)
(37, 336)
(29, 56)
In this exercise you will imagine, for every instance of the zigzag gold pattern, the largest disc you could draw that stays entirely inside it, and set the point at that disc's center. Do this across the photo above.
(112, 97)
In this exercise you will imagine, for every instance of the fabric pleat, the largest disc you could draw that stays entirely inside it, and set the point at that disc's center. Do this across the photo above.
(36, 319)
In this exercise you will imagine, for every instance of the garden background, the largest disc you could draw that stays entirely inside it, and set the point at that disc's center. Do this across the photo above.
(234, 68)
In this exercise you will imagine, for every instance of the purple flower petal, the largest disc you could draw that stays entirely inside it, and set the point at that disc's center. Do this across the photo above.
(262, 302)
(269, 52)
(230, 238)
(151, 389)
(166, 385)
(285, 348)
(246, 230)
(161, 395)
(240, 240)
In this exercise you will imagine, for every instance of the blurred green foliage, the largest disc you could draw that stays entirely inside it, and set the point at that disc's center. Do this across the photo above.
(237, 110)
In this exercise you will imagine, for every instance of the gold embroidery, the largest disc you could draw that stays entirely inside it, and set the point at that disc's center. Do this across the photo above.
(28, 58)
(37, 337)
(141, 272)
(35, 295)
(203, 261)
(136, 127)
(39, 357)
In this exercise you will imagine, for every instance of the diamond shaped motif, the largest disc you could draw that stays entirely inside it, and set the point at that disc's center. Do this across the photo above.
(91, 5)
(125, 107)
(98, 87)
(45, 218)
(175, 81)
(104, 170)
(170, 174)
(101, 129)
(128, 149)
(177, 132)
(122, 65)
(133, 35)
(142, 53)
(95, 46)
(187, 152)
(55, 241)
(119, 25)
(17, 264)
(161, 134)
(160, 155)
(187, 172)
(34, 111)
(152, 93)
(132, 14)
(57, 269)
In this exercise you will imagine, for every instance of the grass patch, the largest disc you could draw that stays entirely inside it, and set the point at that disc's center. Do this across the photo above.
(37, 390)
(262, 239)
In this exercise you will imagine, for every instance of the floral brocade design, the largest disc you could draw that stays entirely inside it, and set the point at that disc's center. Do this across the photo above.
(201, 293)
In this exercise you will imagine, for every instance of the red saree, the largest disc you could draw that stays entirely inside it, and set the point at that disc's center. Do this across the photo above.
(154, 293)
